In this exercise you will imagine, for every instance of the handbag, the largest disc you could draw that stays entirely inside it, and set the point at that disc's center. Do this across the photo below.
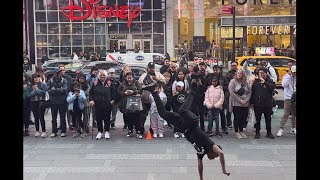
(134, 104)
(251, 116)
(241, 91)
(45, 103)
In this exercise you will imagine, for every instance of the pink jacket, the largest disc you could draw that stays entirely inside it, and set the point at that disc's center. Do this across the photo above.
(214, 96)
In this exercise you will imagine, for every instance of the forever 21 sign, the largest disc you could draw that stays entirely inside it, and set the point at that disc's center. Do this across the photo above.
(103, 11)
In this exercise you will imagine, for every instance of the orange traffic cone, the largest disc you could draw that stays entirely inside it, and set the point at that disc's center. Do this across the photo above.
(149, 136)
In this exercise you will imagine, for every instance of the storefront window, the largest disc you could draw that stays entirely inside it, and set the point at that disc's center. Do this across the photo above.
(76, 28)
(41, 40)
(65, 50)
(52, 4)
(158, 27)
(146, 4)
(40, 17)
(87, 40)
(123, 28)
(100, 29)
(40, 4)
(158, 49)
(52, 16)
(157, 15)
(146, 28)
(62, 3)
(158, 39)
(146, 16)
(76, 49)
(122, 2)
(156, 4)
(53, 40)
(113, 28)
(100, 39)
(65, 28)
(88, 28)
(135, 28)
(65, 40)
(63, 18)
(100, 49)
(41, 28)
(53, 28)
(111, 2)
(41, 51)
(76, 40)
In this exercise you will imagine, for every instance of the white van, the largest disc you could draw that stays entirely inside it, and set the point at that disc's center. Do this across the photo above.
(137, 59)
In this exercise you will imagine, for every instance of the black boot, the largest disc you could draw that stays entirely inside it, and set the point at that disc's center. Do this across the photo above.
(26, 132)
(31, 122)
(269, 135)
(257, 136)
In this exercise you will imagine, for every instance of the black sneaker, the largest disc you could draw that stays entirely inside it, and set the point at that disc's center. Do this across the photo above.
(26, 133)
(218, 134)
(113, 127)
(125, 127)
(257, 136)
(225, 131)
(87, 131)
(130, 134)
(31, 122)
(270, 136)
(229, 127)
(210, 133)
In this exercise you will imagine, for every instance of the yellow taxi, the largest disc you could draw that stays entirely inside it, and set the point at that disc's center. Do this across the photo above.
(278, 62)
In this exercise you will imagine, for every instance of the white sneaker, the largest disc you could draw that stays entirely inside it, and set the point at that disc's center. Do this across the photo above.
(280, 132)
(274, 109)
(53, 135)
(165, 123)
(107, 135)
(160, 135)
(176, 135)
(293, 130)
(43, 135)
(155, 135)
(63, 135)
(182, 135)
(37, 134)
(244, 130)
(99, 135)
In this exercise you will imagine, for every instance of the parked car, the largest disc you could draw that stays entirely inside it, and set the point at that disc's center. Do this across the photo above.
(137, 71)
(105, 65)
(71, 66)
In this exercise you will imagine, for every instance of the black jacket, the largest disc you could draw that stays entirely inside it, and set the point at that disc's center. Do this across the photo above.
(262, 93)
(168, 92)
(115, 85)
(102, 94)
(135, 86)
(58, 94)
(164, 69)
(178, 100)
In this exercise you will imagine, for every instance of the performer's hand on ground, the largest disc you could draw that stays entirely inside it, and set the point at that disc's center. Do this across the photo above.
(226, 173)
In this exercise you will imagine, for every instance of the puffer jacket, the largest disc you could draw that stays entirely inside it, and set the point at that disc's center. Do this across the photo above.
(214, 96)
(262, 94)
(71, 97)
(102, 94)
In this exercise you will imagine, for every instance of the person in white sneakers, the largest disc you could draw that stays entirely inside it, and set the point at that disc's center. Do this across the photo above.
(289, 84)
(157, 123)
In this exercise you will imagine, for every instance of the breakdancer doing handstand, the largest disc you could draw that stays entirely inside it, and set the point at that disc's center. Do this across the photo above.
(187, 123)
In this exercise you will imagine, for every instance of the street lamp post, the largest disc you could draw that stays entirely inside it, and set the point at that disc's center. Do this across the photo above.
(233, 34)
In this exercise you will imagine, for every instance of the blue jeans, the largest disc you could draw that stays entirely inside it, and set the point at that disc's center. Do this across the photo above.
(214, 115)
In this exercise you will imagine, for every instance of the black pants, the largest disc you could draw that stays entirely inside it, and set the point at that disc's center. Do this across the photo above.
(228, 116)
(26, 113)
(133, 119)
(223, 119)
(62, 114)
(77, 122)
(38, 115)
(267, 111)
(103, 114)
(143, 116)
(184, 119)
(201, 114)
(240, 117)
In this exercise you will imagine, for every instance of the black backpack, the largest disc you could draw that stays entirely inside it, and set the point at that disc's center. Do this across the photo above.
(276, 70)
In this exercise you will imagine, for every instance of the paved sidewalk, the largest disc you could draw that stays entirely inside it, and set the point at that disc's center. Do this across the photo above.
(122, 158)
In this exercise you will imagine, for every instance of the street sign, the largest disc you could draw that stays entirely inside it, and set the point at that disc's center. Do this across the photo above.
(227, 10)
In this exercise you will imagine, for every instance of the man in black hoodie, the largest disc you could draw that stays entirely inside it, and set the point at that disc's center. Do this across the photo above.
(262, 100)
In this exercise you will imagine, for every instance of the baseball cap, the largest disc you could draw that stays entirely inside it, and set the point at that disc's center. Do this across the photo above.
(111, 70)
(56, 70)
(180, 83)
(151, 65)
(293, 68)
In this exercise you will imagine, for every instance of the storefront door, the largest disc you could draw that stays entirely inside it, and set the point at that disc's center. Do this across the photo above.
(143, 45)
(226, 48)
(122, 44)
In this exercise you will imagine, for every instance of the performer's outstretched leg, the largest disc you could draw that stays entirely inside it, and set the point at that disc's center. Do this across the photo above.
(189, 118)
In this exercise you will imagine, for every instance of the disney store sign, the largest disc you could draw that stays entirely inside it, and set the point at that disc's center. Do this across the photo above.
(93, 9)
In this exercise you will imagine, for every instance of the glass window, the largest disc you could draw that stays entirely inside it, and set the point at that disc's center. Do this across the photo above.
(41, 51)
(145, 15)
(100, 28)
(76, 50)
(53, 28)
(274, 62)
(52, 16)
(122, 2)
(135, 3)
(100, 50)
(53, 51)
(76, 40)
(158, 49)
(158, 27)
(65, 50)
(76, 28)
(41, 40)
(146, 28)
(158, 39)
(87, 40)
(63, 18)
(89, 50)
(156, 4)
(100, 39)
(146, 4)
(111, 2)
(113, 28)
(52, 5)
(87, 28)
(62, 3)
(135, 28)
(53, 40)
(157, 15)
(65, 28)
(65, 40)
(41, 28)
(123, 28)
(40, 17)
(40, 5)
